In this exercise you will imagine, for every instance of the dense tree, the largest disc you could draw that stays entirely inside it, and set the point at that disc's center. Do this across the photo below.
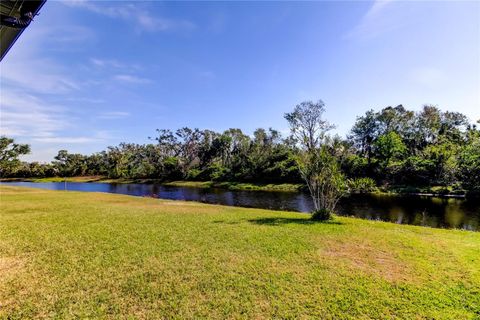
(68, 164)
(364, 133)
(9, 155)
(406, 147)
(389, 147)
(469, 160)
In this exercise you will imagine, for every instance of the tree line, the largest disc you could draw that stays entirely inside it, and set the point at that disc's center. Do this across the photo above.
(390, 147)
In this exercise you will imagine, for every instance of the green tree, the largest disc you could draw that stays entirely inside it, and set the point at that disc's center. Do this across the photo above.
(389, 147)
(318, 166)
(9, 155)
(469, 164)
(363, 133)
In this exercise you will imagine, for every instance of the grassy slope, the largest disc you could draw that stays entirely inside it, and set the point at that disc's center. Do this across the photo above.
(70, 254)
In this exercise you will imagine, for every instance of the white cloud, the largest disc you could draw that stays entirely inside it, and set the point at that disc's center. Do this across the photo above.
(29, 64)
(113, 115)
(379, 19)
(30, 68)
(39, 75)
(376, 8)
(31, 118)
(26, 115)
(109, 65)
(40, 153)
(40, 95)
(86, 100)
(102, 63)
(71, 34)
(131, 79)
(65, 139)
(139, 17)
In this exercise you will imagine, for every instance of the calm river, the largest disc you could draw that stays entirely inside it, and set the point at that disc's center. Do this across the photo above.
(416, 210)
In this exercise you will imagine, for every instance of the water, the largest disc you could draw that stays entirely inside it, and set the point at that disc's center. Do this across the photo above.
(415, 210)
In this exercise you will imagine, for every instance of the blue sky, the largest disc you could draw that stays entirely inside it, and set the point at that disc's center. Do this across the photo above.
(89, 74)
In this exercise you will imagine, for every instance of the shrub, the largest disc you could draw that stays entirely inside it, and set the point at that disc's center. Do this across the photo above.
(193, 174)
(321, 215)
(362, 185)
(218, 173)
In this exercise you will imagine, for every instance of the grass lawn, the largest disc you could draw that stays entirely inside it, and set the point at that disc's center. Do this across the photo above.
(93, 255)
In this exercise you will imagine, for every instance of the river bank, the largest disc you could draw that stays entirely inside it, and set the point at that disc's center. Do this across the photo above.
(229, 185)
(431, 191)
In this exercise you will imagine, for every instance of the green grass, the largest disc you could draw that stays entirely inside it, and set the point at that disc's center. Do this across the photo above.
(92, 255)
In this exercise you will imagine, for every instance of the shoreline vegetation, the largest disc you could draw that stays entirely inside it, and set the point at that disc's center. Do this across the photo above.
(99, 255)
(229, 185)
(434, 191)
(394, 150)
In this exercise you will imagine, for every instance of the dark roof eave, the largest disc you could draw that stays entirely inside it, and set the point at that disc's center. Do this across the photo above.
(8, 36)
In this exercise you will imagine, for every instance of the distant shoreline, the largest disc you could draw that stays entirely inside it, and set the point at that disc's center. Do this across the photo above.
(437, 191)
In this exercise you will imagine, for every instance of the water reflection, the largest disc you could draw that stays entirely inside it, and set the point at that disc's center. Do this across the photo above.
(416, 210)
(453, 213)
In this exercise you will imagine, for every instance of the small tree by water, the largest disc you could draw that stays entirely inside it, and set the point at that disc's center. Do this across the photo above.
(316, 161)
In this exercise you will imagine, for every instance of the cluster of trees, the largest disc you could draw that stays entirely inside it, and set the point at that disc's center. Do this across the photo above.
(402, 147)
(190, 154)
(9, 153)
(393, 146)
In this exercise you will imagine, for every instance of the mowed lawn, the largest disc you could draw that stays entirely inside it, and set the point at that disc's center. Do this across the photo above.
(93, 255)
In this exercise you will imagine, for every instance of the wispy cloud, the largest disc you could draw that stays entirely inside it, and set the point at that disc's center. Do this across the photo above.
(28, 115)
(70, 35)
(377, 7)
(131, 79)
(376, 21)
(140, 18)
(30, 65)
(66, 140)
(114, 65)
(42, 96)
(85, 100)
(112, 115)
(103, 63)
(38, 75)
(32, 118)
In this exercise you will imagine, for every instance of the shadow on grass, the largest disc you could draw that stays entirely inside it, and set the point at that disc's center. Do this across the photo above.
(282, 221)
(226, 222)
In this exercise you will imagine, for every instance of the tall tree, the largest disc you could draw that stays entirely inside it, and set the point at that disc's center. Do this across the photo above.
(318, 166)
(388, 147)
(364, 132)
